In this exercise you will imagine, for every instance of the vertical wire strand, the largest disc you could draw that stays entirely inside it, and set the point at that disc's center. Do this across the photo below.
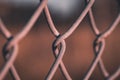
(101, 39)
(56, 33)
(7, 35)
(97, 32)
(56, 62)
(75, 25)
(9, 63)
(95, 61)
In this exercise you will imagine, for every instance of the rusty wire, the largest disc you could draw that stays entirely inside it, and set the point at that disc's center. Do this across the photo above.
(11, 49)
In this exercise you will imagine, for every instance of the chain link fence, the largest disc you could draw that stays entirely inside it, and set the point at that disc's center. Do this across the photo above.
(11, 46)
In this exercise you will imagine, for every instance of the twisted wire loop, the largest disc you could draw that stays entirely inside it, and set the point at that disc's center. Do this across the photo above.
(99, 48)
(11, 47)
(13, 71)
(61, 38)
(10, 50)
(56, 50)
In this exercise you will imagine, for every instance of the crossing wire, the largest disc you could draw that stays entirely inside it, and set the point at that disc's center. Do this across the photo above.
(11, 48)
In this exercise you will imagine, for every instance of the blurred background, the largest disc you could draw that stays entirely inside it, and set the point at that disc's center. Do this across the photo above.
(35, 53)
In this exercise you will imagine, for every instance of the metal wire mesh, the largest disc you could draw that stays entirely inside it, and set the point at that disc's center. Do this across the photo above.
(11, 48)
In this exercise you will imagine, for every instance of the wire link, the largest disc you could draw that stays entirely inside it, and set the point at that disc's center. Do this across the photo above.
(7, 56)
(11, 48)
(56, 50)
